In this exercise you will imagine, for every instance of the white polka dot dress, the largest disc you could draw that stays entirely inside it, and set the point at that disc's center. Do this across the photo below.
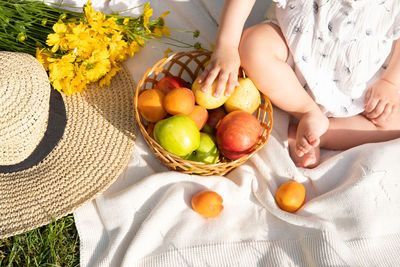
(340, 47)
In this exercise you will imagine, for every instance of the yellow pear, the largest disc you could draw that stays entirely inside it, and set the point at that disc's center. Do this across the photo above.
(206, 99)
(245, 97)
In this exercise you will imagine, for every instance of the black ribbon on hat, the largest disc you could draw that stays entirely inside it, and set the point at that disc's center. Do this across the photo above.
(54, 132)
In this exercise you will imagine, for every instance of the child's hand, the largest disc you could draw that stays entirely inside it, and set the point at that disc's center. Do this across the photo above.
(382, 100)
(224, 66)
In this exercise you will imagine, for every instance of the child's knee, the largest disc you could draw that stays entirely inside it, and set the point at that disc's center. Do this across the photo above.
(262, 41)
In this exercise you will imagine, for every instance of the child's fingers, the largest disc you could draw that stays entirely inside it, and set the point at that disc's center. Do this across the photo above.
(204, 74)
(210, 79)
(232, 83)
(222, 80)
(377, 110)
(371, 104)
(385, 114)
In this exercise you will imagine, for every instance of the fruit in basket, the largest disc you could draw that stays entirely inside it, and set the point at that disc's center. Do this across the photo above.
(206, 99)
(179, 101)
(178, 135)
(215, 116)
(207, 129)
(150, 129)
(168, 83)
(207, 203)
(207, 151)
(150, 105)
(199, 115)
(245, 97)
(290, 196)
(237, 134)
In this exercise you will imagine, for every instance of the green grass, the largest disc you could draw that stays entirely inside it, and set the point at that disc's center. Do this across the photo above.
(56, 244)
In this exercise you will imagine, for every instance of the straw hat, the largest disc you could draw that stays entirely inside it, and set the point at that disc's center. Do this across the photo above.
(57, 152)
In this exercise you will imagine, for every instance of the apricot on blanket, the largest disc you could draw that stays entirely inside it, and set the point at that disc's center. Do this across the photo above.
(290, 196)
(207, 203)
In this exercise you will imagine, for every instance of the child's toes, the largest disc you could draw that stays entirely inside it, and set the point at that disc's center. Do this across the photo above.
(312, 139)
(302, 147)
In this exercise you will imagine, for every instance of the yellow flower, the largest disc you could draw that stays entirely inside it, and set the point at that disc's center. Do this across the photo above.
(147, 13)
(106, 80)
(133, 48)
(97, 65)
(166, 52)
(81, 40)
(42, 57)
(76, 83)
(160, 31)
(163, 15)
(60, 71)
(89, 11)
(58, 39)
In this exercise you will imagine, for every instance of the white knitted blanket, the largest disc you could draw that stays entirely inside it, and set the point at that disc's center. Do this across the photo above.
(351, 216)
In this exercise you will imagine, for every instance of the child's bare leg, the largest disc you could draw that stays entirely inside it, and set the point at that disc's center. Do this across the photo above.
(263, 54)
(345, 133)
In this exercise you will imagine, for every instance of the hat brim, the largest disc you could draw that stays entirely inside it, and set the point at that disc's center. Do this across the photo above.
(96, 146)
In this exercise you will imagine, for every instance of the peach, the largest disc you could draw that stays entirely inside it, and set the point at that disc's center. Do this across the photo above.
(179, 101)
(237, 134)
(199, 115)
(150, 105)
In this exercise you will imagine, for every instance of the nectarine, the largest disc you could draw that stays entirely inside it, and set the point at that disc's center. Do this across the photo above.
(168, 83)
(237, 134)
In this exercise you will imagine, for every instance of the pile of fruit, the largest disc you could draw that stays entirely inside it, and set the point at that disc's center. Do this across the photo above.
(197, 126)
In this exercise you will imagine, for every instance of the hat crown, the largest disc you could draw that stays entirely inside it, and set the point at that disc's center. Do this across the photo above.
(24, 106)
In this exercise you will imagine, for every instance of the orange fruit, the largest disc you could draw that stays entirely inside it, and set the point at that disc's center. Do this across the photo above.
(150, 105)
(179, 101)
(200, 115)
(290, 196)
(207, 203)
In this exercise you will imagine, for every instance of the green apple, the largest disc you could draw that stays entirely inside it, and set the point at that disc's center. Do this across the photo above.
(207, 152)
(178, 135)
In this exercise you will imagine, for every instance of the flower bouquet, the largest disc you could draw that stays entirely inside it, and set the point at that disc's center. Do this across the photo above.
(77, 48)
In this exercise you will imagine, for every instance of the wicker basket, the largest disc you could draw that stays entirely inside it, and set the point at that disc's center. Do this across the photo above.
(189, 65)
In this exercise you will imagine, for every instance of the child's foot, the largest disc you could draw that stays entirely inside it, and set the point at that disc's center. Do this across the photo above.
(308, 160)
(309, 130)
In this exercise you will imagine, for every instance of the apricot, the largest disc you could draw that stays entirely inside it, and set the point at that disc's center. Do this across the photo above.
(179, 101)
(207, 203)
(150, 105)
(199, 115)
(290, 196)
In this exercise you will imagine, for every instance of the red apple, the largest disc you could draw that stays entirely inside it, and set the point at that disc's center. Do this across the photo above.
(237, 134)
(234, 155)
(168, 83)
(214, 116)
